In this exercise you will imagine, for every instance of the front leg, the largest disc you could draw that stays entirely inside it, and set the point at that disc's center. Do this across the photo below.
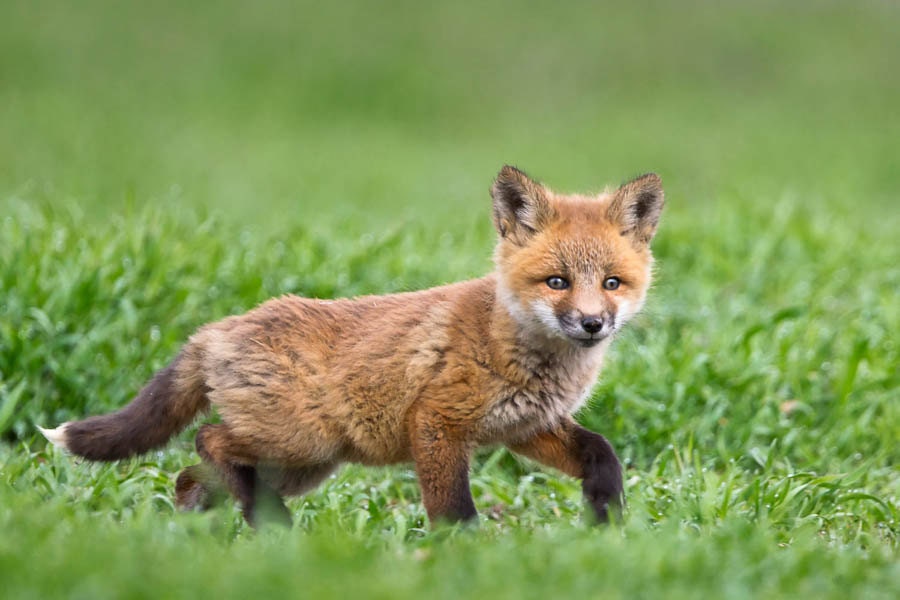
(442, 464)
(584, 454)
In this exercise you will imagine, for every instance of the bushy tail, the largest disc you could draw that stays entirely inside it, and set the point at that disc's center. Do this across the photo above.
(166, 405)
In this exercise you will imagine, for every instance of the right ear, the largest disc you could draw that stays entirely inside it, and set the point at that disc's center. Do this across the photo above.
(521, 205)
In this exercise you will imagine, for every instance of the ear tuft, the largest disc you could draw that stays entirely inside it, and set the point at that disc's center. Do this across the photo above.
(521, 205)
(636, 207)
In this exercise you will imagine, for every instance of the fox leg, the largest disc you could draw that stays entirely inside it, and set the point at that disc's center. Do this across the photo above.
(442, 464)
(236, 464)
(294, 481)
(198, 487)
(584, 454)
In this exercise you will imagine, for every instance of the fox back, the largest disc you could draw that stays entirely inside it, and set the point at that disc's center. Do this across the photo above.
(304, 385)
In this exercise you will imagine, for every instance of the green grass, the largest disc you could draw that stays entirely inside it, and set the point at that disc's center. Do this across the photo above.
(165, 165)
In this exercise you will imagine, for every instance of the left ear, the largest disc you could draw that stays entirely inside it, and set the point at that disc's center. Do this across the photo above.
(636, 207)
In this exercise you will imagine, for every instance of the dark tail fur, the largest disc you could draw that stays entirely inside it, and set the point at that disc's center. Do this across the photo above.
(165, 406)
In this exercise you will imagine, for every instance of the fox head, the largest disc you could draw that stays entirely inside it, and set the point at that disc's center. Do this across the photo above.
(574, 267)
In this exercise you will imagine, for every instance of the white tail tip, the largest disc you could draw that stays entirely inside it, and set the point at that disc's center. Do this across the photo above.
(57, 436)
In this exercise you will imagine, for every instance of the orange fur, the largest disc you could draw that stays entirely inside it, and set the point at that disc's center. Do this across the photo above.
(303, 385)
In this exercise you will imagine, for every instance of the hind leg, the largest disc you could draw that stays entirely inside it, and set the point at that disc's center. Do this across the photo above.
(294, 481)
(236, 463)
(199, 487)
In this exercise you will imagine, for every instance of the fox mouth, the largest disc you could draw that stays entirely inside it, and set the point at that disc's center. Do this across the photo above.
(589, 342)
(573, 326)
(574, 330)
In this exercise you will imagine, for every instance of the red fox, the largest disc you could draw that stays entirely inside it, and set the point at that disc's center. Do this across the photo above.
(304, 385)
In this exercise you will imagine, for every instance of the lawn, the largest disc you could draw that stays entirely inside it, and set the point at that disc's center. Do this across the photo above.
(166, 164)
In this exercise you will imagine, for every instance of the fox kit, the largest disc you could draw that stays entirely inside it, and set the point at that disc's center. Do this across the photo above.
(304, 385)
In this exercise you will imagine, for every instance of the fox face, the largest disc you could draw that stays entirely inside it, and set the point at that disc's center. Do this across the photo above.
(574, 268)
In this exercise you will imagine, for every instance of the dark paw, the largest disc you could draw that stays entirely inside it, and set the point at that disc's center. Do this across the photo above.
(199, 487)
(191, 494)
(606, 498)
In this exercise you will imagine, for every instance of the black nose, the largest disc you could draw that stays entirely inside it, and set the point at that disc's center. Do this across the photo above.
(592, 324)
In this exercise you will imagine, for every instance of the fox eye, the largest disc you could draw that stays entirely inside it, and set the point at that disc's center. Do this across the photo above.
(611, 283)
(557, 283)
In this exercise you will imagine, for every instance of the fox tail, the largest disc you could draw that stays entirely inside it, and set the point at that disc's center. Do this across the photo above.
(166, 405)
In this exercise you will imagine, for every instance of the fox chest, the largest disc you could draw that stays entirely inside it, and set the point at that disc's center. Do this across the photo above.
(519, 413)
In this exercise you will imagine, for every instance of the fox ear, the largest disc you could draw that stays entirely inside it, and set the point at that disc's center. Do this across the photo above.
(521, 205)
(636, 207)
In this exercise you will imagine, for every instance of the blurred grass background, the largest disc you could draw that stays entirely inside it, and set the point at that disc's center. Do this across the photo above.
(281, 110)
(166, 164)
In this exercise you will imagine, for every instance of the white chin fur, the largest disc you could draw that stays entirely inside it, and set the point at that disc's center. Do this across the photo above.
(57, 436)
